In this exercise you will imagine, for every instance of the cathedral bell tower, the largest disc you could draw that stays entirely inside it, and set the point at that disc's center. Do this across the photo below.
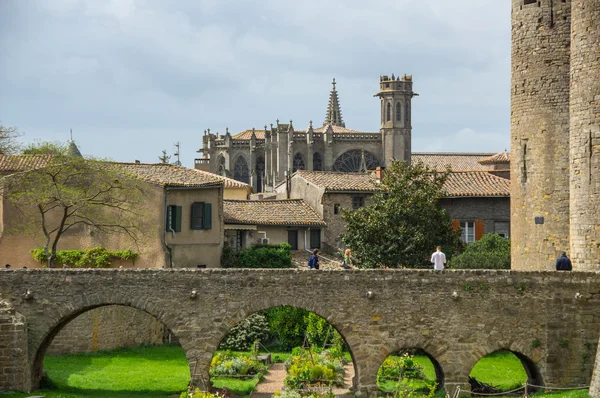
(396, 96)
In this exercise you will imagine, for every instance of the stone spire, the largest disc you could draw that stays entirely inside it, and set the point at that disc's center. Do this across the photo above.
(334, 113)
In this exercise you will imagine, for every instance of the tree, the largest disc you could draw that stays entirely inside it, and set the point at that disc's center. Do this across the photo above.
(45, 148)
(8, 140)
(490, 252)
(164, 158)
(72, 192)
(404, 223)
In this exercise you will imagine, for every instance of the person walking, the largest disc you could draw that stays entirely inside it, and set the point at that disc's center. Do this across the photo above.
(347, 262)
(313, 261)
(7, 266)
(563, 263)
(438, 259)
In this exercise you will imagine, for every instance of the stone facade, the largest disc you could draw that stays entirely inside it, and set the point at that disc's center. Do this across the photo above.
(585, 134)
(502, 310)
(541, 34)
(107, 328)
(494, 213)
(263, 157)
(14, 373)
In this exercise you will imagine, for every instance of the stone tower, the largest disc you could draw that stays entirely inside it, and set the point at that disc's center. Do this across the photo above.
(334, 113)
(396, 96)
(585, 134)
(541, 35)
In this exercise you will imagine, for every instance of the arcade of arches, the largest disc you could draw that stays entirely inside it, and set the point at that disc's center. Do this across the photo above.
(382, 312)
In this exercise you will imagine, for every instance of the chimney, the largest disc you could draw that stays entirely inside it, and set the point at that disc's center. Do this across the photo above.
(379, 173)
(137, 161)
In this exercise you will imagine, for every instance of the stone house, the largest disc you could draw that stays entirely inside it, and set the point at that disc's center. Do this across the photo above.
(272, 222)
(186, 207)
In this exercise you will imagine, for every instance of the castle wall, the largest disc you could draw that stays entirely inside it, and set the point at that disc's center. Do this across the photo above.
(540, 132)
(585, 135)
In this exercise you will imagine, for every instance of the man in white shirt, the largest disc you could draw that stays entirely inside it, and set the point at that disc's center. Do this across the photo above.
(438, 259)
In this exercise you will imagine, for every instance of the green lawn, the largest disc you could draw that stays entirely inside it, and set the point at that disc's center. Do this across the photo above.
(412, 384)
(502, 369)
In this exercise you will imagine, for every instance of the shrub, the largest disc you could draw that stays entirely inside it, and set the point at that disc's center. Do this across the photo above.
(258, 256)
(393, 367)
(244, 334)
(287, 325)
(97, 257)
(490, 252)
(308, 368)
(199, 394)
(229, 364)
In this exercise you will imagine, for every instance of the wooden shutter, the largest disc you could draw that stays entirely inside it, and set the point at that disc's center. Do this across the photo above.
(479, 229)
(176, 220)
(456, 225)
(207, 222)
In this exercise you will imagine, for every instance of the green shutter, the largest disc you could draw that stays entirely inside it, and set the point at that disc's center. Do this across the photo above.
(207, 216)
(177, 218)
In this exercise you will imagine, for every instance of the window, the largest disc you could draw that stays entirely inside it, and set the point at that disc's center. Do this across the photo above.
(398, 112)
(388, 112)
(526, 2)
(336, 208)
(173, 222)
(358, 202)
(351, 161)
(317, 162)
(299, 163)
(241, 172)
(315, 238)
(201, 216)
(467, 234)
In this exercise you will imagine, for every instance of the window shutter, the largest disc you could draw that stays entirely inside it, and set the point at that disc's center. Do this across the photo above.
(207, 216)
(479, 229)
(456, 225)
(177, 218)
(168, 218)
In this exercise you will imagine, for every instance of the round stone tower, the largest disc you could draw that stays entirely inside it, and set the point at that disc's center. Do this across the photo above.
(541, 34)
(585, 135)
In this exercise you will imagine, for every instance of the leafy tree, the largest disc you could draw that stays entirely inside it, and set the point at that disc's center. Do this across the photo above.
(45, 148)
(244, 334)
(287, 325)
(490, 252)
(72, 192)
(404, 223)
(164, 158)
(8, 140)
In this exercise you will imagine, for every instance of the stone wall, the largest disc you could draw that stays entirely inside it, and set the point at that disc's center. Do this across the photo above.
(457, 317)
(107, 328)
(585, 134)
(14, 372)
(541, 35)
(335, 222)
(494, 212)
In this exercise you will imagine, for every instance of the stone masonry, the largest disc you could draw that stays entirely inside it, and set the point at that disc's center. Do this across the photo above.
(541, 33)
(551, 320)
(585, 134)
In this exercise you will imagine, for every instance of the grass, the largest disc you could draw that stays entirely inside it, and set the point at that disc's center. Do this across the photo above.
(501, 369)
(413, 384)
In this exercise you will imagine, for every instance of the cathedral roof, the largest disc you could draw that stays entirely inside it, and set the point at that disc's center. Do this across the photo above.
(291, 212)
(499, 158)
(455, 161)
(247, 134)
(333, 181)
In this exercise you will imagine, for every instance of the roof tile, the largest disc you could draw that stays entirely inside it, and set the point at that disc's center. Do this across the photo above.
(455, 161)
(476, 183)
(333, 181)
(271, 212)
(168, 175)
(17, 163)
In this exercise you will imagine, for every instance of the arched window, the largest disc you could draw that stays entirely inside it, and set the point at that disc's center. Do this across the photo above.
(260, 173)
(398, 112)
(221, 167)
(350, 162)
(407, 113)
(317, 162)
(241, 172)
(299, 163)
(388, 113)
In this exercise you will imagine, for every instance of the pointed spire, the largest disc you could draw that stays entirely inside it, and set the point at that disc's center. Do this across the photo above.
(334, 113)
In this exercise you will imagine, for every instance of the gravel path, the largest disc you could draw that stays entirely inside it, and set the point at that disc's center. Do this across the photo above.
(274, 380)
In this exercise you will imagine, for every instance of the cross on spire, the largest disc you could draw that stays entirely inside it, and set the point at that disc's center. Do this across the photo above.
(334, 113)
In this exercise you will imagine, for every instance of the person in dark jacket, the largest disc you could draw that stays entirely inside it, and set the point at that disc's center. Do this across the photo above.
(313, 261)
(563, 263)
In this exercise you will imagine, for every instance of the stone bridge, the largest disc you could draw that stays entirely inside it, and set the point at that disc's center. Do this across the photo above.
(550, 320)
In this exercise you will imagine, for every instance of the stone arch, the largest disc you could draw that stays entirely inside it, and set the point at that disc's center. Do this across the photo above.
(298, 162)
(350, 161)
(67, 312)
(241, 170)
(352, 339)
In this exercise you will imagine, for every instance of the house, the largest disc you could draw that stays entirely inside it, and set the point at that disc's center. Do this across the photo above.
(185, 208)
(248, 222)
(233, 189)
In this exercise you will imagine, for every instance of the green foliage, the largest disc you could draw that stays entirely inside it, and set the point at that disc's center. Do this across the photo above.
(502, 369)
(536, 343)
(8, 140)
(404, 223)
(97, 257)
(258, 256)
(400, 367)
(287, 325)
(490, 252)
(467, 287)
(563, 343)
(45, 148)
(199, 394)
(308, 368)
(230, 364)
(320, 332)
(242, 336)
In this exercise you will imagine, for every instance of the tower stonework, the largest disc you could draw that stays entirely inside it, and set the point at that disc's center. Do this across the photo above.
(585, 135)
(396, 96)
(541, 34)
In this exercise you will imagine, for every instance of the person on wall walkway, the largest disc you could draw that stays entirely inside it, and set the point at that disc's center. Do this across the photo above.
(438, 259)
(313, 261)
(347, 262)
(563, 263)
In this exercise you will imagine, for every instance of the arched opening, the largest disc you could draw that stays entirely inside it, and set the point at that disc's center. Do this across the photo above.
(260, 173)
(351, 161)
(298, 348)
(299, 163)
(317, 162)
(241, 172)
(398, 112)
(111, 349)
(388, 112)
(502, 371)
(410, 371)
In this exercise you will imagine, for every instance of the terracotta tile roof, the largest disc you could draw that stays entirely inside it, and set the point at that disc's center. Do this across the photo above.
(228, 182)
(455, 161)
(333, 181)
(336, 129)
(168, 174)
(247, 134)
(16, 163)
(293, 212)
(476, 183)
(499, 158)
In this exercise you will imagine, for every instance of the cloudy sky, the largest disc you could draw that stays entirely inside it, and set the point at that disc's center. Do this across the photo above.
(131, 77)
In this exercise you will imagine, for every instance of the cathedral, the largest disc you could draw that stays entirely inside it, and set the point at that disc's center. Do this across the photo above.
(263, 158)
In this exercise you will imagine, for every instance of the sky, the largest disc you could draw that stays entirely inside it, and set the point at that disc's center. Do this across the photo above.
(133, 77)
